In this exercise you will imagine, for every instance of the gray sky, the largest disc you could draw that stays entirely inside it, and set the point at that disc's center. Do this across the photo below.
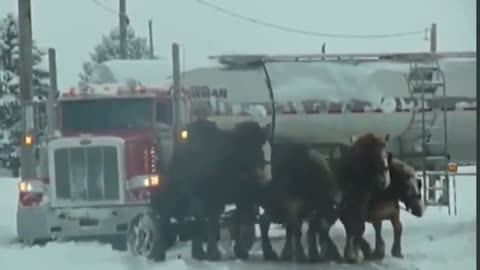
(74, 27)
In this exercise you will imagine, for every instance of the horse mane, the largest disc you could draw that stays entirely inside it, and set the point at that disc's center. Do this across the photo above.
(400, 172)
(357, 162)
(248, 132)
(323, 164)
(403, 166)
(367, 142)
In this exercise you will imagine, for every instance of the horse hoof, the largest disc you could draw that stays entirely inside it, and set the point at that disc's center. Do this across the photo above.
(300, 257)
(240, 253)
(350, 260)
(368, 257)
(314, 258)
(270, 255)
(397, 255)
(334, 256)
(286, 256)
(214, 255)
(378, 255)
(199, 255)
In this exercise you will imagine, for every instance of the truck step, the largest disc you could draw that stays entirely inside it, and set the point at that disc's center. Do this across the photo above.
(428, 158)
(418, 126)
(436, 188)
(435, 158)
(417, 118)
(437, 147)
(426, 87)
(434, 203)
(425, 69)
(431, 173)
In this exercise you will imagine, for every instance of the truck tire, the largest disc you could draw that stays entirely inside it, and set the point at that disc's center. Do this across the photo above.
(147, 238)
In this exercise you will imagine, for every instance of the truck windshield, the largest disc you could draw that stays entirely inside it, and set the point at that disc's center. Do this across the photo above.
(106, 114)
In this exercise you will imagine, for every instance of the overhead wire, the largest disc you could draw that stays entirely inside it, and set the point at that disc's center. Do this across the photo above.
(107, 8)
(305, 32)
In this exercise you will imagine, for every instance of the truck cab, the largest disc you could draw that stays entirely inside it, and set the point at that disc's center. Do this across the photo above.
(112, 146)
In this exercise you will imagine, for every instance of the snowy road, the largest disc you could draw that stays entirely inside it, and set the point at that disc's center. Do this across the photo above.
(437, 241)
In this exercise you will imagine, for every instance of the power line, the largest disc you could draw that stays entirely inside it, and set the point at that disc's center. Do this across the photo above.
(111, 10)
(304, 32)
(107, 8)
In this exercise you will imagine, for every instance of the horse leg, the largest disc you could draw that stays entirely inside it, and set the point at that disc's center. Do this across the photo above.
(246, 216)
(397, 235)
(299, 252)
(313, 225)
(379, 252)
(287, 252)
(359, 241)
(197, 250)
(331, 252)
(213, 253)
(350, 251)
(365, 248)
(268, 252)
(296, 222)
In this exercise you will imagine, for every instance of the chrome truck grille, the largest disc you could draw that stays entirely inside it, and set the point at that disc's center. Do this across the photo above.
(87, 174)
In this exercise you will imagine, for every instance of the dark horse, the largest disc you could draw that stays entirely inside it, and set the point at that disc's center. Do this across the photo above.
(302, 185)
(362, 168)
(213, 168)
(384, 205)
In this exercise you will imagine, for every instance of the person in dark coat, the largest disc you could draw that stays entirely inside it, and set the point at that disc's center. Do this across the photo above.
(200, 129)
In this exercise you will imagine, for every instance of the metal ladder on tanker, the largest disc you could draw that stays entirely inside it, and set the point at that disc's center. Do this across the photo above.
(428, 133)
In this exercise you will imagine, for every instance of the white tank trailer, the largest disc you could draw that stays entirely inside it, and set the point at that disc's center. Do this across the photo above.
(327, 99)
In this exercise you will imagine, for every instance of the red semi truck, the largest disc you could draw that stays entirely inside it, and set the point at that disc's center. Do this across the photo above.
(113, 144)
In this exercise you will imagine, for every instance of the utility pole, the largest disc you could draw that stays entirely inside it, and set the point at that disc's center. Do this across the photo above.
(123, 29)
(52, 69)
(176, 85)
(433, 38)
(150, 33)
(27, 160)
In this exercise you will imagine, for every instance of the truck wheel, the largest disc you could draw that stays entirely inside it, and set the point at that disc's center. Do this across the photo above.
(32, 243)
(41, 242)
(145, 238)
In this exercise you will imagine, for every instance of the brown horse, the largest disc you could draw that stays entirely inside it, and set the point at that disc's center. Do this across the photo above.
(405, 187)
(303, 183)
(362, 168)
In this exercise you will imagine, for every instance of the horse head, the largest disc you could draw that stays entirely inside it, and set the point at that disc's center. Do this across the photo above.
(409, 187)
(253, 149)
(371, 153)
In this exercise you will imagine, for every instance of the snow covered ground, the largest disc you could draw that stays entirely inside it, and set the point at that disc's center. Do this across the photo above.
(436, 241)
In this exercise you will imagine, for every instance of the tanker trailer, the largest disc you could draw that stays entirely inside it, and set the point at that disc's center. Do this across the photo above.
(331, 101)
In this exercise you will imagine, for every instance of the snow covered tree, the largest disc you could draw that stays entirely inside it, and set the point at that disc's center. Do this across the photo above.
(10, 110)
(109, 49)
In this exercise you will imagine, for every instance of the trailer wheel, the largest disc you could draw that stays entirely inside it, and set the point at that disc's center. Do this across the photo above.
(36, 243)
(145, 237)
